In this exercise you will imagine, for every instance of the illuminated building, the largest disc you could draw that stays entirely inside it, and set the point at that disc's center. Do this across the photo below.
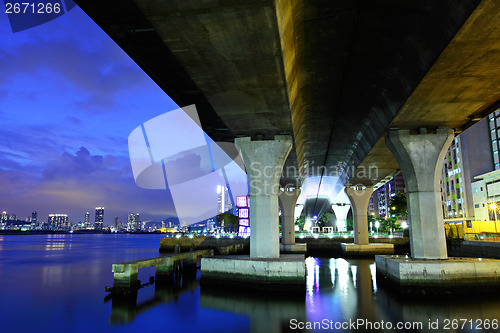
(223, 199)
(99, 218)
(86, 222)
(34, 220)
(58, 222)
(379, 201)
(468, 156)
(133, 222)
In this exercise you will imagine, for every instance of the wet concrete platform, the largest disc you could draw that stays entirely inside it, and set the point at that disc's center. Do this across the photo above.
(439, 275)
(286, 273)
(351, 249)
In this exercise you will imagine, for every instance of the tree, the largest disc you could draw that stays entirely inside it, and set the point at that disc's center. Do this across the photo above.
(324, 219)
(230, 220)
(300, 222)
(398, 206)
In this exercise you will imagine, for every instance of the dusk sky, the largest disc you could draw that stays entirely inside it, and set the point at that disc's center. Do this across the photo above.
(69, 98)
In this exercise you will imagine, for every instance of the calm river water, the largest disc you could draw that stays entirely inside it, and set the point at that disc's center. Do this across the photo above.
(55, 283)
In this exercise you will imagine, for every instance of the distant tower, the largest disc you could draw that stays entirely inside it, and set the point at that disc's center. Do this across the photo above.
(58, 222)
(99, 218)
(133, 222)
(116, 222)
(223, 201)
(34, 218)
(86, 221)
(137, 221)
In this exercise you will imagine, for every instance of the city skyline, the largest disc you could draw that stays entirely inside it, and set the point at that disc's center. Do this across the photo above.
(69, 98)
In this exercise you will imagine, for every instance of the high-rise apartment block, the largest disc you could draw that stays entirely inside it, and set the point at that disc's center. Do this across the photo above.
(58, 222)
(468, 156)
(133, 222)
(378, 205)
(99, 218)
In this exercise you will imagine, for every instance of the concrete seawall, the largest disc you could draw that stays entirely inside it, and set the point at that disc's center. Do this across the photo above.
(472, 249)
(315, 246)
(168, 244)
(331, 247)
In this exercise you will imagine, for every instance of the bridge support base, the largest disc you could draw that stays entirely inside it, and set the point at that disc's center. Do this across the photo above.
(287, 273)
(451, 276)
(367, 249)
(293, 248)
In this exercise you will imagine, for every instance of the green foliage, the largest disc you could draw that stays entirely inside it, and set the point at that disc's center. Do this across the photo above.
(349, 223)
(324, 219)
(300, 221)
(398, 206)
(230, 220)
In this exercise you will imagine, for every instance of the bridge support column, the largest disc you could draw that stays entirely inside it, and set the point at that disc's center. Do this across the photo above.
(288, 200)
(265, 269)
(360, 197)
(420, 158)
(263, 163)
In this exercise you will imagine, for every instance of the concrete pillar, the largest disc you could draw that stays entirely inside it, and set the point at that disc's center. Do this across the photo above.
(263, 163)
(125, 275)
(288, 200)
(341, 210)
(420, 159)
(359, 197)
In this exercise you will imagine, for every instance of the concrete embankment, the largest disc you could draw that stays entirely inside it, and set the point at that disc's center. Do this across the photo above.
(473, 249)
(168, 244)
(329, 247)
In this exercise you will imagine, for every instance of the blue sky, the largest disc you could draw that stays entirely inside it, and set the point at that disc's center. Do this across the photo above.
(69, 98)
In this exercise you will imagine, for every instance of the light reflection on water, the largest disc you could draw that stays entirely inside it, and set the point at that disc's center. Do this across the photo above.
(59, 281)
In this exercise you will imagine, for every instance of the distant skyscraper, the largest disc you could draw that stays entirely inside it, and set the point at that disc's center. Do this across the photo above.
(99, 218)
(116, 222)
(34, 217)
(3, 219)
(133, 222)
(86, 222)
(58, 222)
(223, 200)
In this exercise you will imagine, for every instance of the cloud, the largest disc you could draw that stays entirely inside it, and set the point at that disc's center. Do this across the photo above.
(87, 61)
(74, 183)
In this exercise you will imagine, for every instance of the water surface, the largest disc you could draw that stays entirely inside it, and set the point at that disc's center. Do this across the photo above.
(55, 283)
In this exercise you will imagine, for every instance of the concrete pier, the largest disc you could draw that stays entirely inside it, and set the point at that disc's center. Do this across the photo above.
(263, 163)
(359, 198)
(264, 268)
(420, 158)
(125, 274)
(286, 273)
(439, 276)
(288, 200)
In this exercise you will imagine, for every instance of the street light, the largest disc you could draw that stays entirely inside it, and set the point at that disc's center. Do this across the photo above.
(377, 225)
(493, 207)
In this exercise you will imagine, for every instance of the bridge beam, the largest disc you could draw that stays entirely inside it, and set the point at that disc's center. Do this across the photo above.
(263, 163)
(420, 158)
(360, 197)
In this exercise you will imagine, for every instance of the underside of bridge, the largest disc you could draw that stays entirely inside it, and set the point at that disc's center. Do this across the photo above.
(334, 74)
